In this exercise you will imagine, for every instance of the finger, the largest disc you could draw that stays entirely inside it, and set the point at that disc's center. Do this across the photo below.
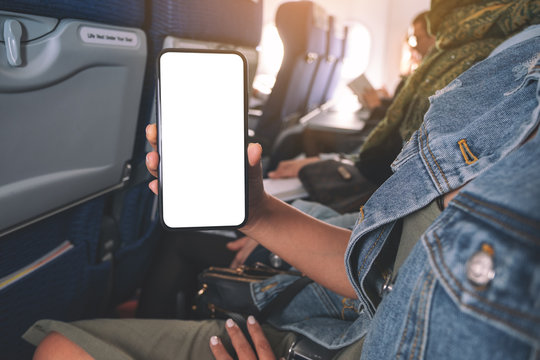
(254, 154)
(278, 174)
(237, 244)
(152, 163)
(239, 341)
(279, 171)
(151, 135)
(262, 346)
(217, 348)
(237, 261)
(244, 253)
(273, 175)
(153, 185)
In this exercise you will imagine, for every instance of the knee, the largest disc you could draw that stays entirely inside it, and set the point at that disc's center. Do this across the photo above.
(58, 347)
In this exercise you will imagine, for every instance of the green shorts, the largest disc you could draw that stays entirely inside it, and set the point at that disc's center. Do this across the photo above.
(124, 339)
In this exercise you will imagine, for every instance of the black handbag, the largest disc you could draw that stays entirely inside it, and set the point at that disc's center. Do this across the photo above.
(225, 293)
(336, 184)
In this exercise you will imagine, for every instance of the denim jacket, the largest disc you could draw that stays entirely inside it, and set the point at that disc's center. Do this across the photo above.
(472, 124)
(470, 289)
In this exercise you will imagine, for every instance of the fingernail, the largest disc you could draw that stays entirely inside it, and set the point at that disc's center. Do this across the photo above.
(251, 320)
(147, 157)
(214, 340)
(229, 323)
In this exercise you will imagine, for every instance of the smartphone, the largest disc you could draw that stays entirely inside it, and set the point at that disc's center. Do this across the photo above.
(202, 132)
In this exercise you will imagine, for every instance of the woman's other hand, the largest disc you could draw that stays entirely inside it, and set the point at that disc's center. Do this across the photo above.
(243, 349)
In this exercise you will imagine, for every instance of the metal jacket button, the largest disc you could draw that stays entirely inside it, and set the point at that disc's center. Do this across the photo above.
(388, 283)
(480, 267)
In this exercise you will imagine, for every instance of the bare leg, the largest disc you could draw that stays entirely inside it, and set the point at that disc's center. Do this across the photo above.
(58, 347)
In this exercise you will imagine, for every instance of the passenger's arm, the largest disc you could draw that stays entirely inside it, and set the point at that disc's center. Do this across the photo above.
(310, 245)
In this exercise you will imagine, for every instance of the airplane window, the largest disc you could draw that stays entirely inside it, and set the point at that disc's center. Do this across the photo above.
(358, 51)
(355, 63)
(270, 58)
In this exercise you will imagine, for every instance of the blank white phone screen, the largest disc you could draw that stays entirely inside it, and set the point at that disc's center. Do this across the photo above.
(202, 141)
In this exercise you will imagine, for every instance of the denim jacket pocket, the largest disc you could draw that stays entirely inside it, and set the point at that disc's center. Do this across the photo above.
(488, 266)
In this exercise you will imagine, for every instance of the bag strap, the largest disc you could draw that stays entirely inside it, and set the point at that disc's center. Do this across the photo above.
(284, 297)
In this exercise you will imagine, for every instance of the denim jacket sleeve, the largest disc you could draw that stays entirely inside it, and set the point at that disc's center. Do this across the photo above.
(477, 120)
(470, 288)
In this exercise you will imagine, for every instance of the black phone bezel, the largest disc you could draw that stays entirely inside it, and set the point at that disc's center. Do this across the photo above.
(245, 137)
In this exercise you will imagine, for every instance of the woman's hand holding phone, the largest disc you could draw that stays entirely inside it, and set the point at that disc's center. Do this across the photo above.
(256, 189)
(152, 158)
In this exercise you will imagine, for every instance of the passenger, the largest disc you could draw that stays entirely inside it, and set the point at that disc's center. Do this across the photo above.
(323, 145)
(451, 57)
(460, 282)
(378, 101)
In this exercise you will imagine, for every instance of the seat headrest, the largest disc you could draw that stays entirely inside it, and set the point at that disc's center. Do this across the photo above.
(237, 22)
(113, 12)
(302, 26)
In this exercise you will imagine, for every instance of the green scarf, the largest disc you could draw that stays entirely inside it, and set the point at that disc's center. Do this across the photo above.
(466, 32)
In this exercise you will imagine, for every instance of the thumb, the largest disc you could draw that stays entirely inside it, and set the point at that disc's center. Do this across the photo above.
(254, 152)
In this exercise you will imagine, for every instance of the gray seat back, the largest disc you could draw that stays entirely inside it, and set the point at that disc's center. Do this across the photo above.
(69, 113)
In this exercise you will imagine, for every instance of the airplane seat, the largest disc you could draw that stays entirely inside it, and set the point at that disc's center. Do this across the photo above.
(302, 27)
(195, 24)
(324, 70)
(290, 142)
(204, 20)
(173, 24)
(135, 225)
(102, 11)
(71, 76)
(53, 279)
(199, 24)
(337, 51)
